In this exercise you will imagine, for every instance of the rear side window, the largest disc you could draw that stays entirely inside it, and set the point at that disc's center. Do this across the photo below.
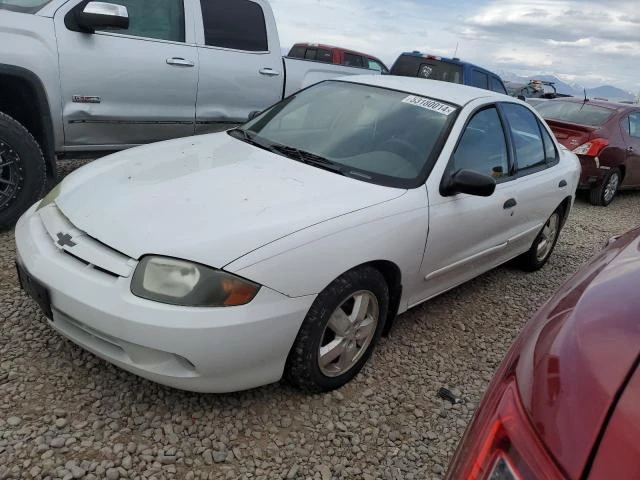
(352, 60)
(496, 85)
(160, 19)
(479, 79)
(311, 54)
(297, 52)
(236, 24)
(632, 125)
(525, 131)
(323, 55)
(482, 147)
(413, 66)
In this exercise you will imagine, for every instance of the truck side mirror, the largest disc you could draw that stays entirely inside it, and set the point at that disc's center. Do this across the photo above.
(97, 15)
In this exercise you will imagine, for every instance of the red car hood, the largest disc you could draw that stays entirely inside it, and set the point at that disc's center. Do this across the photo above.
(579, 349)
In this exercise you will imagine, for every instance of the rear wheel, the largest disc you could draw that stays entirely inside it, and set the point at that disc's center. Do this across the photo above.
(22, 171)
(603, 194)
(544, 243)
(339, 332)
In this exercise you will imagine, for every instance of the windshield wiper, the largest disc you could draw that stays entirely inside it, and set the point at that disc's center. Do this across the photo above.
(308, 158)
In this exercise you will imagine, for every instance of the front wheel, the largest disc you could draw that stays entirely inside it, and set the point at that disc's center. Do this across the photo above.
(543, 245)
(339, 332)
(602, 195)
(22, 171)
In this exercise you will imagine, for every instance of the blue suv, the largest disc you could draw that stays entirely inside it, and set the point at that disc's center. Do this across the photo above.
(416, 64)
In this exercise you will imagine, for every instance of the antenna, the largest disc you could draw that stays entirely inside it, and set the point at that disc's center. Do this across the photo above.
(455, 54)
(585, 95)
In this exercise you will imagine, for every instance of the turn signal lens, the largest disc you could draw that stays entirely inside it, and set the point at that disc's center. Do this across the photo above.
(179, 282)
(592, 148)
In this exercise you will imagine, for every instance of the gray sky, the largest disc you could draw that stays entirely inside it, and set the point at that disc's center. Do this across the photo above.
(591, 42)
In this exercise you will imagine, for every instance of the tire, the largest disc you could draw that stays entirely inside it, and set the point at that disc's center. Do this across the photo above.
(602, 195)
(543, 245)
(310, 370)
(22, 171)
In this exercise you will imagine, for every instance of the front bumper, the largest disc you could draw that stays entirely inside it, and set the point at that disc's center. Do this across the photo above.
(198, 349)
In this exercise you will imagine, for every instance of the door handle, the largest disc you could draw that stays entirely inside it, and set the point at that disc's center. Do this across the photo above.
(630, 149)
(180, 62)
(510, 203)
(562, 184)
(270, 72)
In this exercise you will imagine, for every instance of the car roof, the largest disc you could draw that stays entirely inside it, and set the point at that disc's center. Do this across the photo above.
(447, 91)
(600, 103)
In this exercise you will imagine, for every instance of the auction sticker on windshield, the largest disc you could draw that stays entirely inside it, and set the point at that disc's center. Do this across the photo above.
(429, 104)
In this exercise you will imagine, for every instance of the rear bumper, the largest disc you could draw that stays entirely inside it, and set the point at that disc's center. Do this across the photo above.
(593, 172)
(198, 349)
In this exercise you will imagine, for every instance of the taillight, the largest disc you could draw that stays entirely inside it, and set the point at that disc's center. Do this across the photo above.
(592, 148)
(501, 444)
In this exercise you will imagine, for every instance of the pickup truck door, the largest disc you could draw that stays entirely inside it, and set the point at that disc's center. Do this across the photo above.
(128, 87)
(241, 66)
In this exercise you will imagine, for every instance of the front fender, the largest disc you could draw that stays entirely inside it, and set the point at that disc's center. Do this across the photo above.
(306, 262)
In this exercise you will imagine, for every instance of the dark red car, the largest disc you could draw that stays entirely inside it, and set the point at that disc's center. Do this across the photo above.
(606, 138)
(565, 402)
(337, 56)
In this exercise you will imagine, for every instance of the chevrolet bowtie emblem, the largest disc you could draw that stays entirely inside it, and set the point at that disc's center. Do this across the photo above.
(64, 240)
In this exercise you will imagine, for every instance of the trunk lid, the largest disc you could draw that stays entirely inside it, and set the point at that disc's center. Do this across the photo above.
(571, 135)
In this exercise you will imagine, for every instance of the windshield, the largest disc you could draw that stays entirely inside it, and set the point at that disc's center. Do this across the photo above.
(410, 66)
(374, 134)
(25, 6)
(574, 112)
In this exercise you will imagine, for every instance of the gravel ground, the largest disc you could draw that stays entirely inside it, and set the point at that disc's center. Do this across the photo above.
(66, 414)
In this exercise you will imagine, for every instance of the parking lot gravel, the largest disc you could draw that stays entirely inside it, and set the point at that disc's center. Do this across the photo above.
(66, 414)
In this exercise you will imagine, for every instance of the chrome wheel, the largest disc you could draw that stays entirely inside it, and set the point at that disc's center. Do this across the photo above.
(612, 187)
(548, 237)
(348, 334)
(10, 174)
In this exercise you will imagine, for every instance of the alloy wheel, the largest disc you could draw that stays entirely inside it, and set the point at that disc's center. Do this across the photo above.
(548, 237)
(612, 187)
(10, 174)
(348, 334)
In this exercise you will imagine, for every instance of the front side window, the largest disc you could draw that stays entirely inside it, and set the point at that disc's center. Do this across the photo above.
(235, 24)
(525, 131)
(352, 60)
(297, 52)
(373, 65)
(482, 147)
(371, 133)
(160, 19)
(479, 79)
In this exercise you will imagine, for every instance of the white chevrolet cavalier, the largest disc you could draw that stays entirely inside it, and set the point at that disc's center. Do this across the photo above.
(286, 247)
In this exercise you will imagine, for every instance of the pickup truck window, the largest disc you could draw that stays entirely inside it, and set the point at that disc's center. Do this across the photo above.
(235, 24)
(351, 60)
(297, 52)
(161, 19)
(479, 79)
(24, 6)
(496, 85)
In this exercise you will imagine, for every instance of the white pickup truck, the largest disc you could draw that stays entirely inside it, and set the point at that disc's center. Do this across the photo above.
(81, 76)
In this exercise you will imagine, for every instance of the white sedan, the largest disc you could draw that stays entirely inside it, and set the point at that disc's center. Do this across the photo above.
(287, 246)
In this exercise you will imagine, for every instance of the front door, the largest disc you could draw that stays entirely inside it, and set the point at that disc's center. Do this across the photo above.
(469, 235)
(127, 87)
(631, 133)
(241, 67)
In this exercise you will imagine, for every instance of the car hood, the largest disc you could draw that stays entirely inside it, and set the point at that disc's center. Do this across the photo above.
(578, 350)
(209, 199)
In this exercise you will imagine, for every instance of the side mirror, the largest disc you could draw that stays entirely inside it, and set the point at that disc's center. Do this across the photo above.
(96, 15)
(522, 97)
(253, 114)
(469, 182)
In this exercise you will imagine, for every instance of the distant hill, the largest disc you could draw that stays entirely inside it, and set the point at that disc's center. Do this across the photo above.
(606, 91)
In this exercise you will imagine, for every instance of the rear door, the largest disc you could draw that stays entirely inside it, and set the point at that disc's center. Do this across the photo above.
(541, 182)
(631, 134)
(126, 87)
(468, 235)
(241, 68)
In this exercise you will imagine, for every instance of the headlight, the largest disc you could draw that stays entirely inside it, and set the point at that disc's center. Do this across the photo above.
(179, 282)
(50, 197)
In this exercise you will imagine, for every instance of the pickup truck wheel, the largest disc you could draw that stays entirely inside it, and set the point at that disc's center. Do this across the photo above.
(339, 332)
(22, 171)
(602, 195)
